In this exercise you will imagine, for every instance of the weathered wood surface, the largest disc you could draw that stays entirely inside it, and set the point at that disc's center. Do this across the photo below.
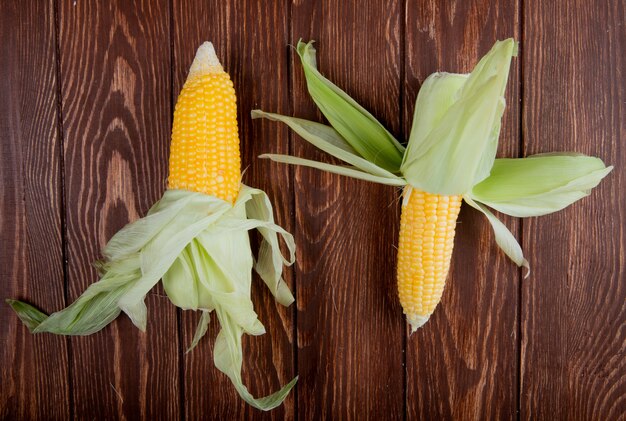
(573, 349)
(350, 329)
(85, 111)
(34, 380)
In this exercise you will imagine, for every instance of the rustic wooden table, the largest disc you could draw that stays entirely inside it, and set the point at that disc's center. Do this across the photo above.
(87, 90)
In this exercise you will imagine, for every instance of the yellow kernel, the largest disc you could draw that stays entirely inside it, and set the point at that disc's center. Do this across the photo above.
(425, 248)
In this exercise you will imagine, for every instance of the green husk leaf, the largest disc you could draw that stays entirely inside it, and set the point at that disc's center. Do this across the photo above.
(203, 326)
(311, 131)
(184, 287)
(92, 311)
(28, 314)
(335, 169)
(137, 234)
(217, 265)
(162, 251)
(328, 140)
(436, 95)
(460, 145)
(227, 260)
(228, 358)
(355, 124)
(539, 184)
(504, 238)
(270, 261)
(221, 262)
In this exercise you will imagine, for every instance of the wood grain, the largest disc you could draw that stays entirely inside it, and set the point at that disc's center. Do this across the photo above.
(33, 369)
(463, 363)
(250, 38)
(115, 67)
(350, 329)
(574, 304)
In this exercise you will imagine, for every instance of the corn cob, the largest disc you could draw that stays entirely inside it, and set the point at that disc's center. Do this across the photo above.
(195, 239)
(427, 229)
(450, 153)
(204, 155)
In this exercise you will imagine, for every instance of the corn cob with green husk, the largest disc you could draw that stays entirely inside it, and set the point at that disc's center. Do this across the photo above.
(449, 157)
(195, 238)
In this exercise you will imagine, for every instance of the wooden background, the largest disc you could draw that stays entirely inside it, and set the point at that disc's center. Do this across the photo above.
(86, 96)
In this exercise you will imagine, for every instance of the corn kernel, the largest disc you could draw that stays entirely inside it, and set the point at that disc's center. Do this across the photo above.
(204, 153)
(427, 229)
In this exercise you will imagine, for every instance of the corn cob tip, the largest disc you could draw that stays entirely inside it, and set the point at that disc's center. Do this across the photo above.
(416, 321)
(205, 62)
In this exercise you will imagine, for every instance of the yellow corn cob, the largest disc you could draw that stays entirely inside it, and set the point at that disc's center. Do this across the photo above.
(425, 248)
(204, 155)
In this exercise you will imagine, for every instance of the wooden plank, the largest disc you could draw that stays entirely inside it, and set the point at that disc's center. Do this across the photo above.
(250, 38)
(574, 304)
(115, 68)
(350, 326)
(31, 256)
(463, 363)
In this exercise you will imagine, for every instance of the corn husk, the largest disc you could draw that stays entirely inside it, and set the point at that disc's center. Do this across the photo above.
(452, 146)
(457, 124)
(354, 123)
(539, 184)
(199, 245)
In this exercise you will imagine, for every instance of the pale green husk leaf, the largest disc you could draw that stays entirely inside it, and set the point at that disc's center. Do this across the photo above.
(159, 254)
(203, 326)
(227, 356)
(504, 238)
(436, 95)
(28, 314)
(328, 140)
(539, 184)
(457, 145)
(270, 261)
(93, 310)
(353, 122)
(335, 169)
(199, 245)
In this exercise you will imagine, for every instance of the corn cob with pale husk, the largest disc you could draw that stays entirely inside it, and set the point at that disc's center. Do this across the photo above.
(449, 157)
(195, 238)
